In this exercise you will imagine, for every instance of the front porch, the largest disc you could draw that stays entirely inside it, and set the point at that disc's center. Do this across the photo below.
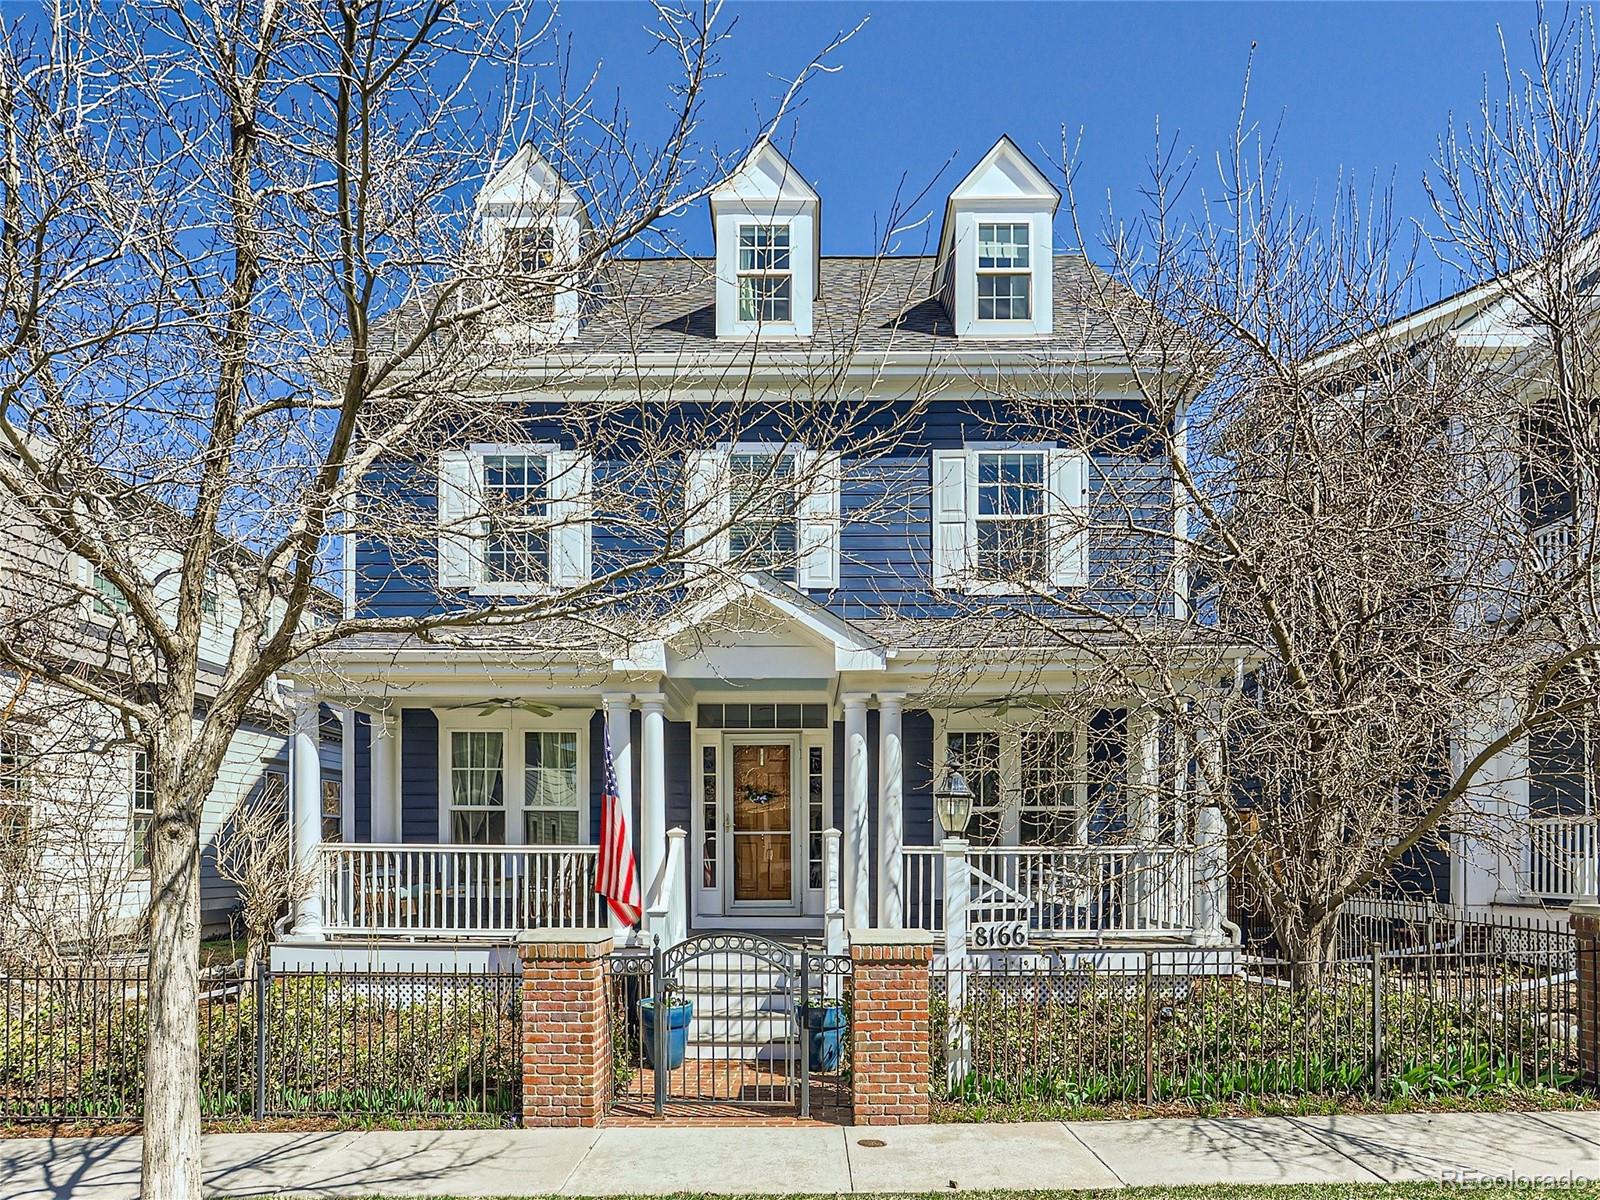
(779, 780)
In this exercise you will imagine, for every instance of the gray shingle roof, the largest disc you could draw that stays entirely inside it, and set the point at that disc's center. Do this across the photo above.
(665, 309)
(667, 306)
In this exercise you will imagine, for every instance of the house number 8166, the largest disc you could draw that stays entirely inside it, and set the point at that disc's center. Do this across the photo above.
(1000, 935)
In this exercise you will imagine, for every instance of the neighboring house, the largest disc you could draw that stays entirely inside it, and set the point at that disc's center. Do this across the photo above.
(75, 794)
(800, 690)
(1530, 845)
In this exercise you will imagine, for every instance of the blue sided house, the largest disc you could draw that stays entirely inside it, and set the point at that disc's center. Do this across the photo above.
(873, 521)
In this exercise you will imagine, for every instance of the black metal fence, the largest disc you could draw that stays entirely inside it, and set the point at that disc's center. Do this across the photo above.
(324, 1043)
(1455, 1004)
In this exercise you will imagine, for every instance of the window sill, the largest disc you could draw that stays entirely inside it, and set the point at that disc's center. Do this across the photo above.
(512, 589)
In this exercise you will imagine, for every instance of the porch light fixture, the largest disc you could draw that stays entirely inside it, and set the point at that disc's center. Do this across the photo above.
(953, 803)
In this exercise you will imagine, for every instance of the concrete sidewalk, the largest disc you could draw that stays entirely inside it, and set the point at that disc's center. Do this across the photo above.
(1371, 1149)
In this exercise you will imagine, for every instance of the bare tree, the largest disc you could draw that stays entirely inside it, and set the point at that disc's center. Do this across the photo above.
(245, 291)
(1338, 613)
(253, 853)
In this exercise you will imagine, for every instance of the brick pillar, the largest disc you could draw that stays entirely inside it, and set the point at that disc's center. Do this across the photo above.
(1585, 918)
(566, 1038)
(889, 1025)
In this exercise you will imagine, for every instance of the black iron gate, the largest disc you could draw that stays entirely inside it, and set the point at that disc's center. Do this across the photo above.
(727, 1023)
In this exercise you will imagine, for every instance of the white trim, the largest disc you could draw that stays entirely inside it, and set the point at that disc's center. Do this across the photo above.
(513, 725)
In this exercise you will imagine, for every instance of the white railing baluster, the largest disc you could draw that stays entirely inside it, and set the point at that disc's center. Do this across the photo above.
(1070, 891)
(456, 891)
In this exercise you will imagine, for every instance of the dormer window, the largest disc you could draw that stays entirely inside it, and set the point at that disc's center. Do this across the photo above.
(766, 277)
(529, 249)
(528, 253)
(995, 273)
(1004, 276)
(764, 218)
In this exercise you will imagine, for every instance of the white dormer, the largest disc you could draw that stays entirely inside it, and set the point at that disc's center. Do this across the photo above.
(529, 220)
(996, 251)
(767, 223)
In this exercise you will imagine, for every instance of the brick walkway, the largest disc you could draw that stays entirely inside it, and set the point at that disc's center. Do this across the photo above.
(729, 1092)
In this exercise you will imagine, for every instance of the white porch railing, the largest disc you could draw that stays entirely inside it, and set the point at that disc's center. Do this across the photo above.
(1553, 543)
(457, 891)
(1561, 856)
(1062, 891)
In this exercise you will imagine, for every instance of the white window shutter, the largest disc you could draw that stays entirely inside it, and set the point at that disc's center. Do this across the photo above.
(1069, 518)
(952, 549)
(460, 548)
(818, 521)
(705, 511)
(571, 504)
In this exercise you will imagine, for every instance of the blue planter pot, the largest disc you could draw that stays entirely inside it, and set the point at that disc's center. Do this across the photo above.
(825, 1026)
(678, 1018)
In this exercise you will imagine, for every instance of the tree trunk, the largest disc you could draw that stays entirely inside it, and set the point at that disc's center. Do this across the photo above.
(171, 1162)
(1308, 945)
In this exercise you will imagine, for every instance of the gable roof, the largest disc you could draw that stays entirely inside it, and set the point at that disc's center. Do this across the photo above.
(1483, 316)
(1004, 173)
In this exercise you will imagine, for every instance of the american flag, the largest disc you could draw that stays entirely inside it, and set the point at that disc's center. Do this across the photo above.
(616, 877)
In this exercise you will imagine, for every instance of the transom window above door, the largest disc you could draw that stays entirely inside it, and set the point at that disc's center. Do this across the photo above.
(766, 278)
(515, 786)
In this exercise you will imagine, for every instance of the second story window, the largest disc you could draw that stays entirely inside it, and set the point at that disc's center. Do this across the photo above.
(514, 519)
(1005, 277)
(1013, 517)
(1009, 518)
(763, 531)
(517, 534)
(108, 599)
(144, 810)
(766, 279)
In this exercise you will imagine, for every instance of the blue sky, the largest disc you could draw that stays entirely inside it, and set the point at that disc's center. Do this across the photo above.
(1363, 87)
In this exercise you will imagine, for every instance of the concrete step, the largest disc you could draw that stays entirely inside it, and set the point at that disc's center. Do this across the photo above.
(722, 1004)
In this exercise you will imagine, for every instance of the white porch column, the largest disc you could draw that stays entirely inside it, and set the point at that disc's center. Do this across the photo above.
(891, 813)
(305, 805)
(1147, 888)
(857, 847)
(619, 724)
(653, 797)
(384, 801)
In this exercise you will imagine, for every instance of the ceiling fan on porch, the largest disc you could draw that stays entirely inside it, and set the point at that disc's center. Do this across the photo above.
(487, 708)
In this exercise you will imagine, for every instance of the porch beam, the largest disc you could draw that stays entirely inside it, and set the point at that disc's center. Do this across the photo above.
(857, 848)
(891, 811)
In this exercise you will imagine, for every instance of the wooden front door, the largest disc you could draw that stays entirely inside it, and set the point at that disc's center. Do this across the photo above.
(761, 802)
